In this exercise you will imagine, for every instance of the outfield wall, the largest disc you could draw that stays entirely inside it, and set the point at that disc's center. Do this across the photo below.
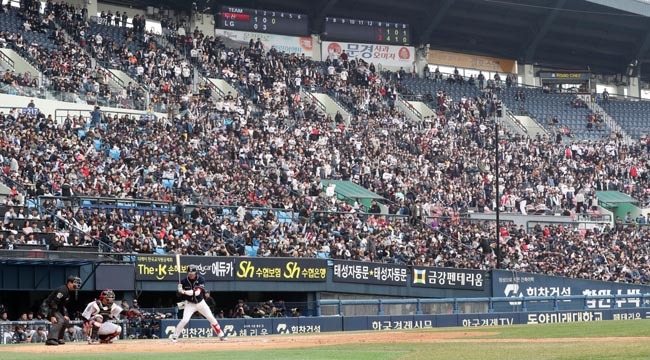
(255, 327)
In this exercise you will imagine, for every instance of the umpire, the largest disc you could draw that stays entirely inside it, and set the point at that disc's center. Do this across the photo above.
(53, 309)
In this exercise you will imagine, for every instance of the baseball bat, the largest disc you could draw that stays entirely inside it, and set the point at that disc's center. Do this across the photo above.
(178, 267)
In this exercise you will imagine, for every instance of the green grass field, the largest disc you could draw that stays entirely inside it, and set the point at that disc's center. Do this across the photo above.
(595, 340)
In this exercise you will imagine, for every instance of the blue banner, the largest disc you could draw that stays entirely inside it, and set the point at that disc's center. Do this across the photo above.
(517, 284)
(198, 328)
(31, 111)
(271, 326)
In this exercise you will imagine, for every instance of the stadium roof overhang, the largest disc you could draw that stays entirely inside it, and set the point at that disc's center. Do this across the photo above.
(604, 36)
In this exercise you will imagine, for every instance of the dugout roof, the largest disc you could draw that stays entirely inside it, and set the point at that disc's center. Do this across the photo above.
(614, 197)
(351, 190)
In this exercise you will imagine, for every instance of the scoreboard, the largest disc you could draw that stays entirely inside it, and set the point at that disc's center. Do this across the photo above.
(366, 31)
(263, 21)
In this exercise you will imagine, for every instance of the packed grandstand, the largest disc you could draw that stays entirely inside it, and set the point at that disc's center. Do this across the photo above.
(205, 172)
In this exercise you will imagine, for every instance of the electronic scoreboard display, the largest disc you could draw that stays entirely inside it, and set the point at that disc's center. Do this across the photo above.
(366, 31)
(263, 21)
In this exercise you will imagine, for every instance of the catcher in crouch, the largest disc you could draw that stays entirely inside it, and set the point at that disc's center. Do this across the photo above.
(97, 316)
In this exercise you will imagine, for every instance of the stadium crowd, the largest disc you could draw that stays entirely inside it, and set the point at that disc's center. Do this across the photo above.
(270, 149)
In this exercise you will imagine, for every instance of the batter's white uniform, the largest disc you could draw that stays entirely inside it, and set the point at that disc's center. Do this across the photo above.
(193, 293)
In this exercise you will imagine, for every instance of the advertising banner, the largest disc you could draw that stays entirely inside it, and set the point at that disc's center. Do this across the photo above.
(565, 76)
(200, 328)
(399, 322)
(30, 111)
(467, 61)
(384, 55)
(288, 44)
(448, 278)
(281, 269)
(369, 273)
(163, 268)
(155, 268)
(516, 284)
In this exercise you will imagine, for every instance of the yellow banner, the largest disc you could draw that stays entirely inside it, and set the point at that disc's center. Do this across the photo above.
(477, 62)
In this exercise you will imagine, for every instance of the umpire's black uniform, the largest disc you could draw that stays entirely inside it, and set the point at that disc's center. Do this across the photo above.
(54, 306)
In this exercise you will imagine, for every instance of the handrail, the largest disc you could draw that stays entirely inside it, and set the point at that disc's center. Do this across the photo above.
(521, 301)
(111, 75)
(518, 123)
(362, 215)
(35, 71)
(314, 99)
(530, 224)
(214, 87)
(163, 204)
(232, 210)
(409, 106)
(104, 112)
(101, 245)
(333, 95)
(14, 184)
(609, 120)
(617, 97)
(4, 57)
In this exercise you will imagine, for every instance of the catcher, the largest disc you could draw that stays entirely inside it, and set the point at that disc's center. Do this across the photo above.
(97, 316)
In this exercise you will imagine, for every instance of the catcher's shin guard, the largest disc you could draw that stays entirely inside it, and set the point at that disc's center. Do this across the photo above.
(106, 339)
(94, 334)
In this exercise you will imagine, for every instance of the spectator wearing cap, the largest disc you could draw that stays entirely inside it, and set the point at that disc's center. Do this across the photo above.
(220, 314)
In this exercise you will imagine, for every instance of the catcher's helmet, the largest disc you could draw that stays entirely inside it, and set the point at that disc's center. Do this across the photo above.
(76, 280)
(107, 294)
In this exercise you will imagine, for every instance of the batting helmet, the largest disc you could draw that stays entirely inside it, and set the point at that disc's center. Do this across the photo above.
(191, 271)
(107, 294)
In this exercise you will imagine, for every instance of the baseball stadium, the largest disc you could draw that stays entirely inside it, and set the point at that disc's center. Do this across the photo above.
(361, 179)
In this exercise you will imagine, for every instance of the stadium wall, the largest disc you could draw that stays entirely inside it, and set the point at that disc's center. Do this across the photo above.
(223, 274)
(318, 279)
(48, 107)
(254, 327)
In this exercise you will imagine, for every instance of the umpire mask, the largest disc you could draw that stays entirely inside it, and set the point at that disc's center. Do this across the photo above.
(76, 281)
